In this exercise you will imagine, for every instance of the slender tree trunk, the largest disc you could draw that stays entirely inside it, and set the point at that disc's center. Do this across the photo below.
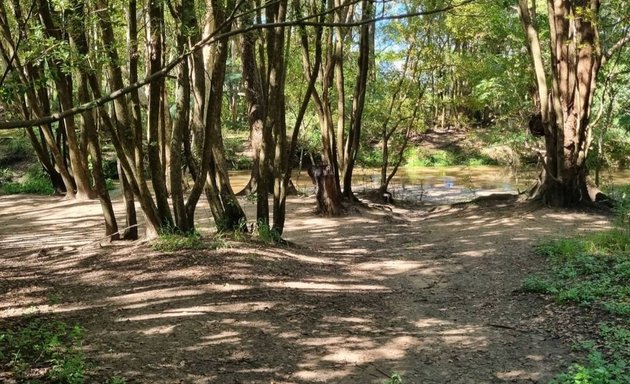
(126, 133)
(154, 146)
(254, 94)
(358, 103)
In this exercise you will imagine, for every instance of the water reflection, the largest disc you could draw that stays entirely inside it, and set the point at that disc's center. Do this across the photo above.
(440, 185)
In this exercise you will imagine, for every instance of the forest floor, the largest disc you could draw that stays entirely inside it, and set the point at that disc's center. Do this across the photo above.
(430, 292)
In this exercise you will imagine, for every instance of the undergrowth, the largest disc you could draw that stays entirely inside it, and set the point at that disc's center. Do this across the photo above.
(607, 364)
(172, 241)
(35, 181)
(419, 157)
(267, 234)
(395, 378)
(593, 270)
(43, 352)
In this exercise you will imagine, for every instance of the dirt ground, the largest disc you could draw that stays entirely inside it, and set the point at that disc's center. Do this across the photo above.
(432, 293)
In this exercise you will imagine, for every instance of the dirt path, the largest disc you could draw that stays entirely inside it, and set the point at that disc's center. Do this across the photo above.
(432, 295)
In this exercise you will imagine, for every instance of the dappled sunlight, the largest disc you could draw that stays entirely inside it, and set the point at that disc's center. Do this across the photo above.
(372, 292)
(203, 309)
(518, 375)
(432, 322)
(477, 252)
(466, 336)
(387, 268)
(361, 351)
(327, 287)
(32, 308)
(159, 330)
(170, 293)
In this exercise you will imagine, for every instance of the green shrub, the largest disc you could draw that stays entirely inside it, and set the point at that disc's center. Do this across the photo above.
(234, 153)
(418, 157)
(110, 184)
(36, 181)
(267, 234)
(370, 157)
(14, 150)
(395, 378)
(110, 169)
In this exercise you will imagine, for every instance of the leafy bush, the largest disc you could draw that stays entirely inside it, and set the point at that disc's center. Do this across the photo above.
(395, 378)
(233, 152)
(36, 181)
(43, 351)
(14, 150)
(418, 157)
(370, 157)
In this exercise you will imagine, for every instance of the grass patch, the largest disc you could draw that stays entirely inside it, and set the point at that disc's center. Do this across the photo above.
(419, 157)
(267, 234)
(35, 181)
(172, 241)
(594, 270)
(588, 270)
(43, 352)
(395, 378)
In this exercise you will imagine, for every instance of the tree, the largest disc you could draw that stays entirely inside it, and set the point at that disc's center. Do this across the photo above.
(566, 88)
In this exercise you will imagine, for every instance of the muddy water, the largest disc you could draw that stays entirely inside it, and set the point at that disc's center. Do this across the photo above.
(439, 185)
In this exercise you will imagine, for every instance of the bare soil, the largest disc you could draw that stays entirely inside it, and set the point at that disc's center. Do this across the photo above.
(432, 293)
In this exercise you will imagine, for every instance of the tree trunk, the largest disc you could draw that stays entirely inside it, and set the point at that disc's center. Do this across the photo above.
(358, 103)
(131, 228)
(326, 193)
(575, 61)
(154, 146)
(254, 94)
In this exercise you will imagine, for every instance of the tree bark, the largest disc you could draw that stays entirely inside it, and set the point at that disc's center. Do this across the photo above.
(575, 62)
(326, 192)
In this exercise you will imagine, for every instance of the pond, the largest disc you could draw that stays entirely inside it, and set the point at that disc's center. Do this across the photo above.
(440, 185)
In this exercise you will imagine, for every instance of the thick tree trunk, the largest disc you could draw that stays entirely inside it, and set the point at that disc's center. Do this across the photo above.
(327, 194)
(565, 111)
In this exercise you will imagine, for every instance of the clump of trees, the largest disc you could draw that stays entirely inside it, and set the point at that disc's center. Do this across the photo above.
(151, 78)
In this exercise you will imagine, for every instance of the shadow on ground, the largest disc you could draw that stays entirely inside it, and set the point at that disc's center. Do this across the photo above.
(433, 295)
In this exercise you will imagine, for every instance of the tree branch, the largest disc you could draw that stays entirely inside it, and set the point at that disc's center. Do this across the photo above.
(211, 39)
